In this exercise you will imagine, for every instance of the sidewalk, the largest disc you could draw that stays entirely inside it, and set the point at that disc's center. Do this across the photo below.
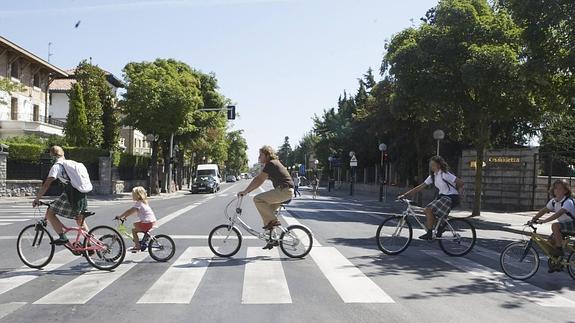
(509, 221)
(127, 196)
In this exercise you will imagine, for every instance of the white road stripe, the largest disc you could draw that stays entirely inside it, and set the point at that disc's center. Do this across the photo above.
(174, 215)
(348, 281)
(88, 285)
(532, 293)
(179, 283)
(12, 219)
(9, 308)
(5, 223)
(264, 279)
(21, 276)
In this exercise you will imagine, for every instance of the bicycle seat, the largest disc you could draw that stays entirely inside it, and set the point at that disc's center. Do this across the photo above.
(87, 214)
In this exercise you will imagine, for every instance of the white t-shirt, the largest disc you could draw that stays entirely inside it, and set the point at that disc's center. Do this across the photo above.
(57, 171)
(444, 189)
(296, 180)
(554, 206)
(145, 212)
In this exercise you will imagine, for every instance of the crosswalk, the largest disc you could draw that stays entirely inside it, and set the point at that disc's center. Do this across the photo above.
(264, 279)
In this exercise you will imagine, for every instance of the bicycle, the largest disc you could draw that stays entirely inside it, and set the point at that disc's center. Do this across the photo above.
(520, 260)
(225, 240)
(102, 246)
(161, 247)
(456, 236)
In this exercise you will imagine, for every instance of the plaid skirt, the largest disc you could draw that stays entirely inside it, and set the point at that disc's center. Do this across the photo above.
(567, 227)
(440, 206)
(62, 207)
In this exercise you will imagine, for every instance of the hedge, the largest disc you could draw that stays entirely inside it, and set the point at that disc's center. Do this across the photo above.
(127, 160)
(85, 155)
(25, 152)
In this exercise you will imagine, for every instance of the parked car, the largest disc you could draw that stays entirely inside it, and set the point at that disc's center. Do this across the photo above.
(205, 184)
(231, 179)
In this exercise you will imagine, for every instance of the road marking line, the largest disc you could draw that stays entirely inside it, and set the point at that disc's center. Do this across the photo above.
(9, 308)
(530, 292)
(88, 285)
(8, 237)
(5, 223)
(21, 276)
(179, 283)
(174, 215)
(293, 221)
(12, 219)
(348, 281)
(264, 279)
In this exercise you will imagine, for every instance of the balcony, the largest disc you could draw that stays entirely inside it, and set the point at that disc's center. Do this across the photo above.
(18, 124)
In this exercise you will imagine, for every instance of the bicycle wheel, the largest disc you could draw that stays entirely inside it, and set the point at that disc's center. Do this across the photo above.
(296, 241)
(225, 240)
(519, 260)
(458, 238)
(108, 246)
(394, 235)
(161, 247)
(571, 265)
(34, 246)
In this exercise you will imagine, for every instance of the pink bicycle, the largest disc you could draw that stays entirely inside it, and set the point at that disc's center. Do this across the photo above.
(102, 246)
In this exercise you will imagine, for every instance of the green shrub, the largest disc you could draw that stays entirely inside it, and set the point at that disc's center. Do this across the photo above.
(24, 151)
(85, 154)
(127, 160)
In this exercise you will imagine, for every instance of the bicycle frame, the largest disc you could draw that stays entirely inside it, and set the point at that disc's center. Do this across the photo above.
(410, 213)
(236, 219)
(547, 246)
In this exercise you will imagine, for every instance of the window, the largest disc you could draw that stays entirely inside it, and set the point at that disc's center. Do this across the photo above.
(14, 109)
(36, 81)
(15, 69)
(36, 112)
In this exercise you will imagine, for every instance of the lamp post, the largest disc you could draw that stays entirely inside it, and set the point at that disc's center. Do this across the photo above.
(438, 135)
(382, 178)
(352, 164)
(329, 180)
(152, 139)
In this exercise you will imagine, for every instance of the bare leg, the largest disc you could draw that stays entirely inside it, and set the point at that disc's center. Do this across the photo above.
(136, 239)
(556, 228)
(83, 225)
(54, 221)
(429, 218)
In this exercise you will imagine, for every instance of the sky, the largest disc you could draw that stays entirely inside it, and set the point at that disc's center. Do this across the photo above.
(280, 61)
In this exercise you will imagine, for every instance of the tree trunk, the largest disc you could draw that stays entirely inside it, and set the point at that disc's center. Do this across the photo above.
(165, 184)
(180, 170)
(154, 188)
(419, 159)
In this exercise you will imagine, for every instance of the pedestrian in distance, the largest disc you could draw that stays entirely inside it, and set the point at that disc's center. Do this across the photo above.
(296, 182)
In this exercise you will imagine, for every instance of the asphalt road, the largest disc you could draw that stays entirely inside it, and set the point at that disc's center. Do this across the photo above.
(344, 279)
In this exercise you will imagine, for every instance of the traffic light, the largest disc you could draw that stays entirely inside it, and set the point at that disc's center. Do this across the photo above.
(231, 112)
(385, 156)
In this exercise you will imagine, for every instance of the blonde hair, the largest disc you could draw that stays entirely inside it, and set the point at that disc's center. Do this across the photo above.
(269, 152)
(140, 194)
(57, 151)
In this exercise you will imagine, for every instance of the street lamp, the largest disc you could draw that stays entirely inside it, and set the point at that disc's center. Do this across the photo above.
(382, 178)
(329, 181)
(438, 135)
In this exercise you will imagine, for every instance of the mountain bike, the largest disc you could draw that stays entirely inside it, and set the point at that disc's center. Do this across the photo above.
(161, 247)
(225, 240)
(520, 260)
(102, 246)
(456, 236)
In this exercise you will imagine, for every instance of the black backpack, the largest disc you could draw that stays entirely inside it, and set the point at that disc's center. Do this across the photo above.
(563, 202)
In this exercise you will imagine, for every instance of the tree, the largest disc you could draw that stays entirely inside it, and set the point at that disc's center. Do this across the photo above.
(76, 128)
(284, 152)
(160, 99)
(6, 85)
(237, 157)
(110, 122)
(463, 63)
(94, 116)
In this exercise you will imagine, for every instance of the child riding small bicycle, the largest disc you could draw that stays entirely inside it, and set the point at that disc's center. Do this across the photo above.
(145, 214)
(563, 206)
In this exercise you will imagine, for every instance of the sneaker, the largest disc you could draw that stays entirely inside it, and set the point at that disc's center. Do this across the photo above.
(60, 241)
(270, 245)
(427, 236)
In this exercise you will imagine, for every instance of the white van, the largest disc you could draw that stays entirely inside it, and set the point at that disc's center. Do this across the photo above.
(209, 170)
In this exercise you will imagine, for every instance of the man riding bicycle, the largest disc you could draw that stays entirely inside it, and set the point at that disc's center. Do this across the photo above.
(269, 202)
(71, 202)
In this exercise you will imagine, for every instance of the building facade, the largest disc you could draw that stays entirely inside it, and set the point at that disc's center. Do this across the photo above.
(26, 111)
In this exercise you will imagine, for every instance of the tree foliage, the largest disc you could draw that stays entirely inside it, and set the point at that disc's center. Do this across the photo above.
(76, 128)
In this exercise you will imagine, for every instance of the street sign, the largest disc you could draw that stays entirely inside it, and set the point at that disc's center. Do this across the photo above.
(353, 161)
(231, 112)
(302, 169)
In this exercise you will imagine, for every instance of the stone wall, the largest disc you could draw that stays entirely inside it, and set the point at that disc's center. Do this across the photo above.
(509, 179)
(19, 188)
(119, 186)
